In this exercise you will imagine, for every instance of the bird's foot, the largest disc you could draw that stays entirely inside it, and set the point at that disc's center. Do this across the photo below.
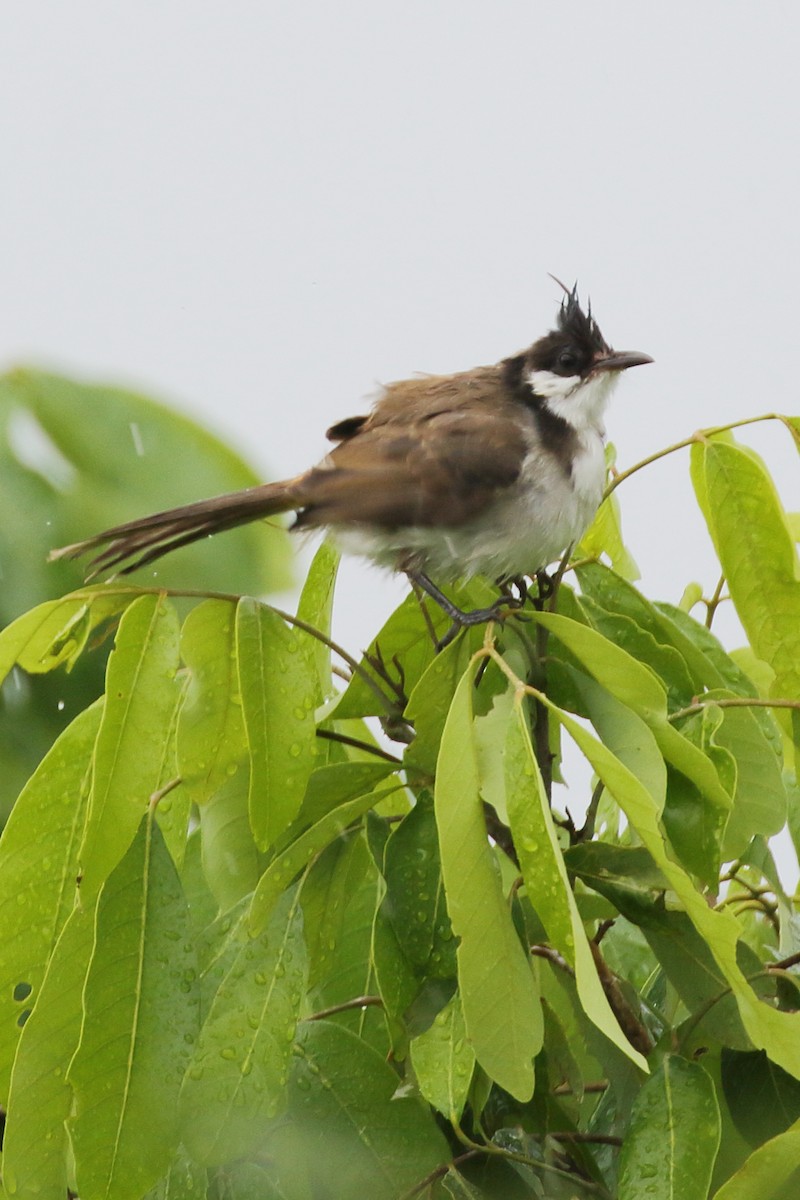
(498, 611)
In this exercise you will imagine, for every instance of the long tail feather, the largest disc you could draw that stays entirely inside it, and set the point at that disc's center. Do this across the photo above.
(136, 543)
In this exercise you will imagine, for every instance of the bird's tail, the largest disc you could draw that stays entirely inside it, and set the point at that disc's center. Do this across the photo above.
(137, 543)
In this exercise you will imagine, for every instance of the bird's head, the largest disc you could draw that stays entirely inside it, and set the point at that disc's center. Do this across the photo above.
(572, 369)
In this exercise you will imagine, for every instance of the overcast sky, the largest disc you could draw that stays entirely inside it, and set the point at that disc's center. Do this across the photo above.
(260, 210)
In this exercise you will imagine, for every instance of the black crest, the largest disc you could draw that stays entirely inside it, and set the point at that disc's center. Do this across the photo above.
(570, 348)
(579, 326)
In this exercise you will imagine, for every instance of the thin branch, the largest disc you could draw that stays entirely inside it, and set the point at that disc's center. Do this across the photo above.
(784, 963)
(346, 1006)
(586, 832)
(489, 1147)
(439, 1173)
(330, 735)
(233, 598)
(733, 702)
(565, 1089)
(567, 1135)
(701, 435)
(629, 1022)
(553, 957)
(499, 832)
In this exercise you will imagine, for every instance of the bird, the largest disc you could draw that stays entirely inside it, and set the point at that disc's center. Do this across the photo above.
(494, 471)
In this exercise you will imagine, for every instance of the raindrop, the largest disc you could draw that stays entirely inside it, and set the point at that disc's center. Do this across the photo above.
(61, 705)
(136, 438)
(228, 1052)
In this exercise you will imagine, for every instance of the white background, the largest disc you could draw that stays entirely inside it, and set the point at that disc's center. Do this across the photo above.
(261, 210)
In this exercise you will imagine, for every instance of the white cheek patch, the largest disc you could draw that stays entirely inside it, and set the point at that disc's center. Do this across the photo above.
(581, 403)
(549, 385)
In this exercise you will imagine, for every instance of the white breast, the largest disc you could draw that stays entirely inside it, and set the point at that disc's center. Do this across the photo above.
(528, 528)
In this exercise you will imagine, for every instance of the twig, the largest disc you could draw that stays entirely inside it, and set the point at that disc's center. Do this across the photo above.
(733, 702)
(700, 436)
(330, 735)
(629, 1022)
(499, 832)
(784, 963)
(567, 1135)
(565, 1089)
(553, 957)
(586, 832)
(439, 1173)
(346, 1006)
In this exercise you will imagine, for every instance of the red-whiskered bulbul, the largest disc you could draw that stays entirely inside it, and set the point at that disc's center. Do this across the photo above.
(493, 471)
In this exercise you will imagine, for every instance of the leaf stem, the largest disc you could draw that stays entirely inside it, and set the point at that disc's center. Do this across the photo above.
(733, 702)
(700, 436)
(713, 604)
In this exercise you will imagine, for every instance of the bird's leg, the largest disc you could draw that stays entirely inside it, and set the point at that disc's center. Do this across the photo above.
(514, 590)
(546, 587)
(461, 620)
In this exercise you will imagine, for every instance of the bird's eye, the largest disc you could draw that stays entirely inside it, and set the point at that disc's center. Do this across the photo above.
(568, 362)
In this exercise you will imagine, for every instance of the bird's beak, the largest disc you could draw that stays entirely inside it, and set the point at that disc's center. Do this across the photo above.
(620, 360)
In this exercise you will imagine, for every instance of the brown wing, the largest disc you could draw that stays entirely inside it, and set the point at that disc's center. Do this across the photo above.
(433, 451)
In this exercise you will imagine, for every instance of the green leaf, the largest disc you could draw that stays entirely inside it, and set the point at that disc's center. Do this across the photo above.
(631, 881)
(673, 1136)
(757, 554)
(35, 1150)
(211, 734)
(113, 455)
(626, 734)
(315, 607)
(635, 686)
(429, 704)
(767, 1171)
(39, 869)
(174, 806)
(140, 1019)
(236, 1082)
(286, 864)
(604, 536)
(245, 1181)
(279, 690)
(776, 1032)
(339, 896)
(405, 638)
(501, 1007)
(759, 800)
(622, 614)
(444, 1061)
(185, 1181)
(763, 1100)
(346, 1124)
(415, 901)
(709, 664)
(332, 785)
(546, 880)
(55, 633)
(141, 692)
(231, 862)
